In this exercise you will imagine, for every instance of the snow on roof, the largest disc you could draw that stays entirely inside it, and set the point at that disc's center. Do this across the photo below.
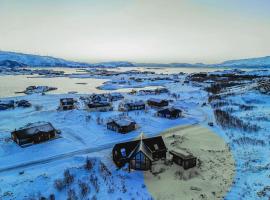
(137, 103)
(156, 100)
(34, 128)
(123, 122)
(182, 153)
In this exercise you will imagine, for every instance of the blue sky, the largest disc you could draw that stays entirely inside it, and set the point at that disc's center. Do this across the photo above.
(142, 30)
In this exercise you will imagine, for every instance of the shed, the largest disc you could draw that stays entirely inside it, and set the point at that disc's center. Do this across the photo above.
(184, 159)
(34, 133)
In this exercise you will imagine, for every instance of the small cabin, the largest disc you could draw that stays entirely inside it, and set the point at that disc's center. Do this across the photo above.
(161, 90)
(138, 105)
(34, 133)
(99, 106)
(4, 105)
(139, 154)
(23, 103)
(115, 96)
(170, 113)
(122, 125)
(67, 104)
(184, 159)
(157, 102)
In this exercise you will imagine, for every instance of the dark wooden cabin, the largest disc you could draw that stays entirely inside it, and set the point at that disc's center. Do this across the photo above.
(184, 159)
(34, 133)
(139, 105)
(157, 102)
(100, 106)
(139, 154)
(4, 105)
(170, 113)
(122, 125)
(67, 103)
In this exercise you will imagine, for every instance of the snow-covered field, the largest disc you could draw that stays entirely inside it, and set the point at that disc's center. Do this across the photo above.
(29, 173)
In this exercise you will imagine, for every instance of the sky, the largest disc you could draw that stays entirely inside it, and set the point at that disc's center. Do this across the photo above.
(163, 31)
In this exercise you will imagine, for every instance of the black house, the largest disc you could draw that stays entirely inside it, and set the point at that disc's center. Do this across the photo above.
(4, 105)
(121, 125)
(67, 103)
(139, 154)
(34, 133)
(157, 102)
(100, 106)
(138, 105)
(184, 159)
(170, 113)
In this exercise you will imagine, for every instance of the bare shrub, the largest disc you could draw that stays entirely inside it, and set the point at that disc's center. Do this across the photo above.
(94, 197)
(84, 189)
(105, 172)
(59, 184)
(72, 195)
(89, 164)
(38, 107)
(226, 120)
(249, 141)
(94, 181)
(52, 197)
(68, 177)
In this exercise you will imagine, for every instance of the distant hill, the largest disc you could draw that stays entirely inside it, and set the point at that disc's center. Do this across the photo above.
(13, 59)
(8, 59)
(11, 63)
(262, 62)
(248, 63)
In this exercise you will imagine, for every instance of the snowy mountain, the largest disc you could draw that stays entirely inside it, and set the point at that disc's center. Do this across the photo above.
(38, 61)
(12, 59)
(251, 62)
(11, 63)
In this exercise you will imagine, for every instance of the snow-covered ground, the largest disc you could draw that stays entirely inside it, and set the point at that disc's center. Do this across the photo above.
(38, 166)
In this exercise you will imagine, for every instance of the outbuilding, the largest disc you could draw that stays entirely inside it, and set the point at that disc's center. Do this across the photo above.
(34, 133)
(184, 159)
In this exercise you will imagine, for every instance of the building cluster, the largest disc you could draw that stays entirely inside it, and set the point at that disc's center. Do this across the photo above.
(141, 154)
(11, 104)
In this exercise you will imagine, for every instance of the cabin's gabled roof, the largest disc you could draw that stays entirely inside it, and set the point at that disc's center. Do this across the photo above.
(98, 104)
(146, 145)
(170, 110)
(34, 128)
(157, 100)
(122, 122)
(141, 147)
(182, 154)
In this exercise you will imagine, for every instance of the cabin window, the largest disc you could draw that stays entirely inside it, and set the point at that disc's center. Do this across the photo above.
(123, 152)
(156, 147)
